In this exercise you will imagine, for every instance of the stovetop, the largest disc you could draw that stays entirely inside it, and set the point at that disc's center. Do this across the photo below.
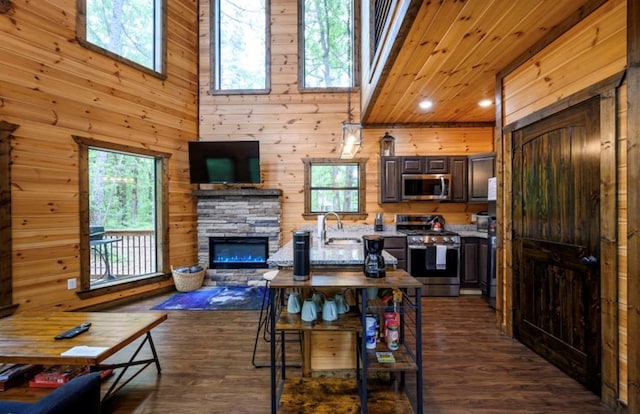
(419, 231)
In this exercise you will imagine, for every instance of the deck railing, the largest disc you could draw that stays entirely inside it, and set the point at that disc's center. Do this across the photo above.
(129, 253)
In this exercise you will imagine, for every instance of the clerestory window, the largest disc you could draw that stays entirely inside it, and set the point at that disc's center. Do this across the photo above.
(240, 36)
(130, 31)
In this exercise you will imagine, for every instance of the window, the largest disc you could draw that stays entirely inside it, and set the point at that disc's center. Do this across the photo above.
(240, 36)
(130, 31)
(122, 214)
(327, 44)
(335, 185)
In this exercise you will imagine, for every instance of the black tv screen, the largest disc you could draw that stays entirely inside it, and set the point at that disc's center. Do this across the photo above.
(224, 162)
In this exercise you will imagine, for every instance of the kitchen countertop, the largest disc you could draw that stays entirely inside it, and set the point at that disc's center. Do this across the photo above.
(322, 255)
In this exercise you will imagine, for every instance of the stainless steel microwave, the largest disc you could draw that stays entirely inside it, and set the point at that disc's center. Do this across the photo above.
(426, 186)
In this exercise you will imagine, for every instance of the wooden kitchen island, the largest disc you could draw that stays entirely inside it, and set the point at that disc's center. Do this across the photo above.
(392, 387)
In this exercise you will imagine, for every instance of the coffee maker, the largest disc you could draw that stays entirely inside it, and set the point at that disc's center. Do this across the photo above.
(373, 261)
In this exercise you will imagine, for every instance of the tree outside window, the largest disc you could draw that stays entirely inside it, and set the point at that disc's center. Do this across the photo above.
(240, 36)
(327, 43)
(122, 213)
(131, 31)
(335, 185)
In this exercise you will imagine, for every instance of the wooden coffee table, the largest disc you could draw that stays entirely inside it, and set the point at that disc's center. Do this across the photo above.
(28, 338)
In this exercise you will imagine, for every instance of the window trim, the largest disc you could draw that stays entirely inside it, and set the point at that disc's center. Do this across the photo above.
(213, 53)
(355, 75)
(81, 37)
(7, 307)
(362, 190)
(162, 215)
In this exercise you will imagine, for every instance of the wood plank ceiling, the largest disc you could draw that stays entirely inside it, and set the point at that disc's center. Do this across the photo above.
(454, 50)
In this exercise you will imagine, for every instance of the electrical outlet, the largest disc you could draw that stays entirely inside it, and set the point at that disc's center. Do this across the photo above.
(474, 218)
(71, 283)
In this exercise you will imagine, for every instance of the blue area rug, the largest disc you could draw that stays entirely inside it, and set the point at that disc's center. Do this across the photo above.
(216, 298)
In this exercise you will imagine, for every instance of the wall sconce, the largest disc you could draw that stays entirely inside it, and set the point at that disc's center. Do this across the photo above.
(351, 134)
(387, 144)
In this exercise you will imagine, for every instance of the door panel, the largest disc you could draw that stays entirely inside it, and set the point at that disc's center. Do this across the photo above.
(556, 240)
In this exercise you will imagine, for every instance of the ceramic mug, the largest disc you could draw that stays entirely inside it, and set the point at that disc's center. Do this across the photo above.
(294, 304)
(341, 303)
(309, 311)
(329, 310)
(318, 300)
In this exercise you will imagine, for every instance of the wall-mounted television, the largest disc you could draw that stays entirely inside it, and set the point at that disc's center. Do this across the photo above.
(224, 162)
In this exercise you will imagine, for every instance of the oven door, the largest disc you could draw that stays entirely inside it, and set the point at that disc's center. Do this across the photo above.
(439, 279)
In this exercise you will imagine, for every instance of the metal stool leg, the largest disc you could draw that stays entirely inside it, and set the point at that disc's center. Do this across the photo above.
(263, 325)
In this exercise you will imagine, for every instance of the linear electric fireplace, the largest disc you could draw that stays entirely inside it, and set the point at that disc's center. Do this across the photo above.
(238, 252)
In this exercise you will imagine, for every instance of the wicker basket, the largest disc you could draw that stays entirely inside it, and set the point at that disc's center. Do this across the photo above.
(186, 282)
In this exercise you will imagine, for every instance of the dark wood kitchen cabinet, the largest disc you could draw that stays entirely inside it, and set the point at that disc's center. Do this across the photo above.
(413, 165)
(458, 168)
(474, 251)
(397, 247)
(437, 165)
(390, 176)
(481, 168)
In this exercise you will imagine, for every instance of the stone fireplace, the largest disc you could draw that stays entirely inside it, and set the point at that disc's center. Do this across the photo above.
(232, 223)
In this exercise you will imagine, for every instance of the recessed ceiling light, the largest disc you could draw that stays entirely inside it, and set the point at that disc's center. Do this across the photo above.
(425, 104)
(485, 103)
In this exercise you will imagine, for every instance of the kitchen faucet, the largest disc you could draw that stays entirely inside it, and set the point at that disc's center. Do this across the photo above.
(323, 233)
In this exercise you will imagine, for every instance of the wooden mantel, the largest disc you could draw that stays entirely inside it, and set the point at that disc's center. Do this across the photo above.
(244, 192)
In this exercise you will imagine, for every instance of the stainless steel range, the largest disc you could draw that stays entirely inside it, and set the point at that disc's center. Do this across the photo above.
(433, 254)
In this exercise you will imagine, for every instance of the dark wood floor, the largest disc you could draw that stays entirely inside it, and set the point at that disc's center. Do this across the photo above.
(469, 367)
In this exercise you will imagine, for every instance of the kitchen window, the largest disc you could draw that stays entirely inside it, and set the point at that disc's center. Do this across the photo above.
(327, 44)
(123, 218)
(335, 185)
(240, 38)
(132, 31)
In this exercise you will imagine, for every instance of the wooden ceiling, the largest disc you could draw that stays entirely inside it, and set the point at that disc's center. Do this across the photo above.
(453, 51)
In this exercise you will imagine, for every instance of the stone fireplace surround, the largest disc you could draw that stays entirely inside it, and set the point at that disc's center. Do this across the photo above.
(237, 213)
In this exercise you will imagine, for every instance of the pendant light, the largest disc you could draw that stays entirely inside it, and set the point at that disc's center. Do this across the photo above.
(351, 134)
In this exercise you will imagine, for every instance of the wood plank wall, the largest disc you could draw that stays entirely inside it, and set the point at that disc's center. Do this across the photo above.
(53, 88)
(292, 125)
(593, 50)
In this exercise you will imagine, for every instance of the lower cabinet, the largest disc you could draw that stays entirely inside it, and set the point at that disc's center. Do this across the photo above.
(474, 251)
(397, 247)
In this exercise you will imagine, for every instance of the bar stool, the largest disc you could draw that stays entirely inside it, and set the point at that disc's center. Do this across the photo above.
(264, 322)
(264, 327)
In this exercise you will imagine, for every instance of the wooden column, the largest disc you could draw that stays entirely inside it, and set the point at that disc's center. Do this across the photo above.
(633, 225)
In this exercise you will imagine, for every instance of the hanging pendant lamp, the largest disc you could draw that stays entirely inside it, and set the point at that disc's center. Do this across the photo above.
(351, 134)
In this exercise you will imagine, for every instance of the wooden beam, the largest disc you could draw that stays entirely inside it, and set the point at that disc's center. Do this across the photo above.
(633, 198)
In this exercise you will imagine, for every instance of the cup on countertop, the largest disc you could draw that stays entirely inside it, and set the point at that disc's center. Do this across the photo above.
(341, 303)
(294, 303)
(309, 311)
(329, 310)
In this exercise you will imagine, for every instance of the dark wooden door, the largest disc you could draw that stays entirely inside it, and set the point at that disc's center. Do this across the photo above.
(556, 186)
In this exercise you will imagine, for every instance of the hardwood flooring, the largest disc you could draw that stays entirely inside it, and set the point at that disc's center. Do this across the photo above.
(469, 367)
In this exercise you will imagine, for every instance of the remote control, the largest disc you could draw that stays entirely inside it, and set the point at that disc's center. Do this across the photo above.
(75, 331)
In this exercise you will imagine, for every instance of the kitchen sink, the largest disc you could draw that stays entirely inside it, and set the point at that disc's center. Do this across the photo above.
(343, 241)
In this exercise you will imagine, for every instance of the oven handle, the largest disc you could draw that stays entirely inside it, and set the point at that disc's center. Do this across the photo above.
(442, 192)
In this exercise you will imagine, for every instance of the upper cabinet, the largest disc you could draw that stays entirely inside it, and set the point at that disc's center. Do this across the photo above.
(481, 168)
(458, 169)
(390, 174)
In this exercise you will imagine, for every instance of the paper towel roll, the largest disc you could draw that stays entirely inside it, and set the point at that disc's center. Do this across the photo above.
(320, 220)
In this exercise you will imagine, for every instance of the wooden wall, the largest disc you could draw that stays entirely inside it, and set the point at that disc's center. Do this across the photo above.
(292, 125)
(590, 52)
(53, 88)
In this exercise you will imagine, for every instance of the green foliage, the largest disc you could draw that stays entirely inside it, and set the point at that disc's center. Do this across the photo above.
(240, 57)
(334, 187)
(126, 28)
(121, 190)
(328, 43)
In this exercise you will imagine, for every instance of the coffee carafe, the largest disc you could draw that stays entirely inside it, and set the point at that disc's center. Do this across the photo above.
(373, 261)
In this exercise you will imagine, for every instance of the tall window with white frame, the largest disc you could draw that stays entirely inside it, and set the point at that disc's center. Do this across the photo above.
(240, 37)
(327, 44)
(124, 192)
(131, 31)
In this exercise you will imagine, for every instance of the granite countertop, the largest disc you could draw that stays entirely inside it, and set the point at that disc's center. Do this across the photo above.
(322, 255)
